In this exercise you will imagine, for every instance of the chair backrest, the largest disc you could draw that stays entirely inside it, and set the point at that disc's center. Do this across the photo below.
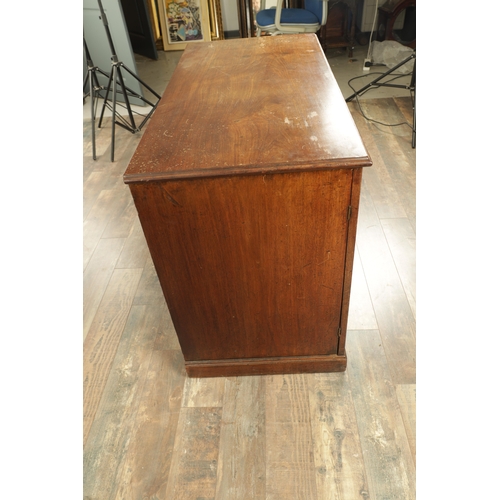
(319, 8)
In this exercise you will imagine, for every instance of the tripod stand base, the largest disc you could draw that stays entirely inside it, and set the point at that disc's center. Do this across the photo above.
(376, 83)
(117, 85)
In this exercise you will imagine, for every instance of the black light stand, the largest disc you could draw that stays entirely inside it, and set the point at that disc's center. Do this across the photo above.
(94, 88)
(115, 80)
(411, 87)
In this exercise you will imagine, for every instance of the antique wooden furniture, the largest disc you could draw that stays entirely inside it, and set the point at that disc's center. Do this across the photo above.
(247, 185)
(340, 27)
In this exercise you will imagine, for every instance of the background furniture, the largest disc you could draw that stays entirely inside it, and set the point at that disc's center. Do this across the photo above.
(247, 189)
(340, 27)
(397, 21)
(282, 20)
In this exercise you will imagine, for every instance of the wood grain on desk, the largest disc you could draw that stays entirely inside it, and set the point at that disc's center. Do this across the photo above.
(249, 105)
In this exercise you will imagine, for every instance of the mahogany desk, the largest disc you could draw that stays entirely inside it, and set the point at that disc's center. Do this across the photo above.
(247, 184)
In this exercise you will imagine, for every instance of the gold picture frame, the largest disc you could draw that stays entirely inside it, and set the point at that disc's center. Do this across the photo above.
(216, 28)
(190, 21)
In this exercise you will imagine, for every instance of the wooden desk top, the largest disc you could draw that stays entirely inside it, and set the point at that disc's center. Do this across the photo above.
(249, 106)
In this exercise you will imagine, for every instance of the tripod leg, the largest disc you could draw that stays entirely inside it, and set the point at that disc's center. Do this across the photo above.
(134, 94)
(110, 81)
(85, 83)
(92, 117)
(113, 118)
(414, 86)
(94, 99)
(414, 131)
(141, 82)
(127, 102)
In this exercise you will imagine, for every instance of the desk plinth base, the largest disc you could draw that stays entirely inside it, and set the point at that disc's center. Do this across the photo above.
(266, 366)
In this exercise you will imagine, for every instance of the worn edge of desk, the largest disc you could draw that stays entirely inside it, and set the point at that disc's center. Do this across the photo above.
(266, 366)
(332, 164)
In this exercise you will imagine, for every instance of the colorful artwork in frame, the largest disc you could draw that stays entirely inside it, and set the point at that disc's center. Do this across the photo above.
(184, 22)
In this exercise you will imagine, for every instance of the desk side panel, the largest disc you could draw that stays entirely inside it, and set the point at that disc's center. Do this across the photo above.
(251, 266)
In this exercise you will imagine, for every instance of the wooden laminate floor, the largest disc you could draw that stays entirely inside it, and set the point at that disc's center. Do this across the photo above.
(152, 433)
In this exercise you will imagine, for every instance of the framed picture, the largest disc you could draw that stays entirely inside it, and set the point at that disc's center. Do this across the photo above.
(216, 27)
(185, 21)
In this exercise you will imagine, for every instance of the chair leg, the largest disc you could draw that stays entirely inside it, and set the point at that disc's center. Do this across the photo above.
(258, 31)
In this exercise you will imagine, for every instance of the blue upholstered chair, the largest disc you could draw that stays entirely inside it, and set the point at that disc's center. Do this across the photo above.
(279, 20)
